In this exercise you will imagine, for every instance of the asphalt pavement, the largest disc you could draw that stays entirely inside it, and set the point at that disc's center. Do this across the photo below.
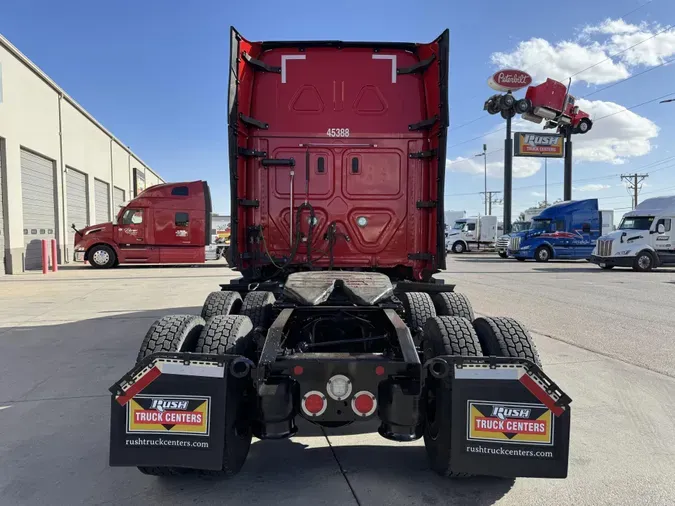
(604, 337)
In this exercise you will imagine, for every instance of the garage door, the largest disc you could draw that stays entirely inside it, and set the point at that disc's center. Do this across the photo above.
(39, 209)
(77, 204)
(118, 200)
(102, 201)
(2, 215)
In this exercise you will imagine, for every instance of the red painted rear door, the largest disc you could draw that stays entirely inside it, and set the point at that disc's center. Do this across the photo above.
(349, 120)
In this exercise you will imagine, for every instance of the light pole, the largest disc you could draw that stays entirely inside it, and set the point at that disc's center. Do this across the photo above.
(484, 155)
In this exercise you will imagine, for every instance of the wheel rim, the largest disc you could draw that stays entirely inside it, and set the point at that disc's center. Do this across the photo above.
(101, 257)
(543, 254)
(644, 261)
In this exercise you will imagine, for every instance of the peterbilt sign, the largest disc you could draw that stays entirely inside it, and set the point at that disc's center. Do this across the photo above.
(509, 80)
(538, 144)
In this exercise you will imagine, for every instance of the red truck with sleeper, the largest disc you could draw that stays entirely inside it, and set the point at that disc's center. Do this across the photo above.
(340, 313)
(165, 223)
(551, 101)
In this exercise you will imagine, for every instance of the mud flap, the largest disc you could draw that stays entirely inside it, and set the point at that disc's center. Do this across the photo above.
(169, 411)
(509, 419)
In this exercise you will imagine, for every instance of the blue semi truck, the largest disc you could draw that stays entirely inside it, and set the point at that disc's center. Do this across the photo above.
(568, 230)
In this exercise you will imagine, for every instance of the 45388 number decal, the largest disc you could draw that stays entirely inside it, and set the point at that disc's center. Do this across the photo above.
(338, 132)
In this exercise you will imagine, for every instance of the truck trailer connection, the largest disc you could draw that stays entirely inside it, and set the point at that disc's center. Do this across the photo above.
(337, 155)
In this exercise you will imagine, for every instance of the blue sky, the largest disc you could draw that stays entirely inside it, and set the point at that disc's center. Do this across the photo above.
(154, 73)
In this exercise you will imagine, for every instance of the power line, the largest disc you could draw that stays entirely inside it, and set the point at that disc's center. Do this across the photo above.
(598, 178)
(489, 200)
(629, 78)
(633, 107)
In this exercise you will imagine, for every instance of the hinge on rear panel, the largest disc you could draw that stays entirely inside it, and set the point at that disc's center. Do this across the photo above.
(432, 153)
(420, 256)
(251, 152)
(278, 162)
(253, 122)
(248, 203)
(426, 204)
(259, 65)
(423, 125)
(418, 67)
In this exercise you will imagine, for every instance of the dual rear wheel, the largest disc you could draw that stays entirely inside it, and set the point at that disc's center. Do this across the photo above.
(453, 330)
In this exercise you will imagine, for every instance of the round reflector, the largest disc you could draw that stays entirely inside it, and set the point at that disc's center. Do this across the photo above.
(364, 403)
(339, 387)
(314, 403)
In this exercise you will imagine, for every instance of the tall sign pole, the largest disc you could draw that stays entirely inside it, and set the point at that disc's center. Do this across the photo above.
(508, 81)
(567, 180)
(508, 176)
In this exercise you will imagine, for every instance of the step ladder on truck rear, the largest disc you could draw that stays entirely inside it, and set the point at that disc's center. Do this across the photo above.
(337, 318)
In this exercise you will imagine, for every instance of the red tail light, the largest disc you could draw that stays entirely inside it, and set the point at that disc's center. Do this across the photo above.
(364, 403)
(314, 403)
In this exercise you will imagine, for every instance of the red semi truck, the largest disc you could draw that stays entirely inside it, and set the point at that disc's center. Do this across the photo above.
(551, 101)
(166, 223)
(337, 159)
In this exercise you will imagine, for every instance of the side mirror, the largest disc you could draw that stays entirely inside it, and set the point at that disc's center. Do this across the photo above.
(661, 228)
(586, 228)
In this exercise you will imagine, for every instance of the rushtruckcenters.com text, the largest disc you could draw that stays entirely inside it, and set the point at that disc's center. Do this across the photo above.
(166, 442)
(509, 451)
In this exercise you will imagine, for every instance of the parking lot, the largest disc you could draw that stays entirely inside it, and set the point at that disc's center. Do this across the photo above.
(605, 337)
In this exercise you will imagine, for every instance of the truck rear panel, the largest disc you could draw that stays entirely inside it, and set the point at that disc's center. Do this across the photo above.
(355, 129)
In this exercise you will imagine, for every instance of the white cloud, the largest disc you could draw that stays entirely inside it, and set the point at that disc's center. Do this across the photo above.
(537, 194)
(592, 187)
(611, 26)
(615, 138)
(541, 59)
(610, 42)
(522, 167)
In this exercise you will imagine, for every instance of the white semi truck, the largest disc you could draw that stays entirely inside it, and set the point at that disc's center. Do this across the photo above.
(644, 239)
(474, 231)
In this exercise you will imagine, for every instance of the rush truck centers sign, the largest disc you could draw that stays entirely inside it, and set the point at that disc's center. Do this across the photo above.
(538, 145)
(509, 80)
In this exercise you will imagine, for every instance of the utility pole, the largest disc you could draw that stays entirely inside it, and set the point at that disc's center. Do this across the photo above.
(546, 180)
(634, 184)
(484, 155)
(489, 201)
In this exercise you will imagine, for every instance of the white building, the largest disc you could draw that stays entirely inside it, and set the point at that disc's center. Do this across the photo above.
(58, 165)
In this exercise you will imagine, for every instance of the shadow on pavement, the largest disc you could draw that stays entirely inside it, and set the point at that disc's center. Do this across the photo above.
(378, 474)
(55, 423)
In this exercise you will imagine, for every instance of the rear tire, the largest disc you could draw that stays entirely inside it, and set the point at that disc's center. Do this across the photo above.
(170, 333)
(102, 256)
(418, 309)
(505, 337)
(258, 307)
(605, 267)
(444, 335)
(503, 255)
(520, 259)
(453, 304)
(231, 335)
(221, 303)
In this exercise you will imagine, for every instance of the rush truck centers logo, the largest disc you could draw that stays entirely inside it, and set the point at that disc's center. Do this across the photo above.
(538, 145)
(158, 414)
(509, 80)
(510, 423)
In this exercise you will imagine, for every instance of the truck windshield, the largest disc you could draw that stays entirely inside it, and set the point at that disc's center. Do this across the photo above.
(459, 225)
(636, 223)
(540, 224)
(520, 226)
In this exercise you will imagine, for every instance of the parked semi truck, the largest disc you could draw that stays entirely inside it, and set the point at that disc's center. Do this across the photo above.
(502, 244)
(165, 223)
(567, 230)
(338, 316)
(644, 239)
(471, 232)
